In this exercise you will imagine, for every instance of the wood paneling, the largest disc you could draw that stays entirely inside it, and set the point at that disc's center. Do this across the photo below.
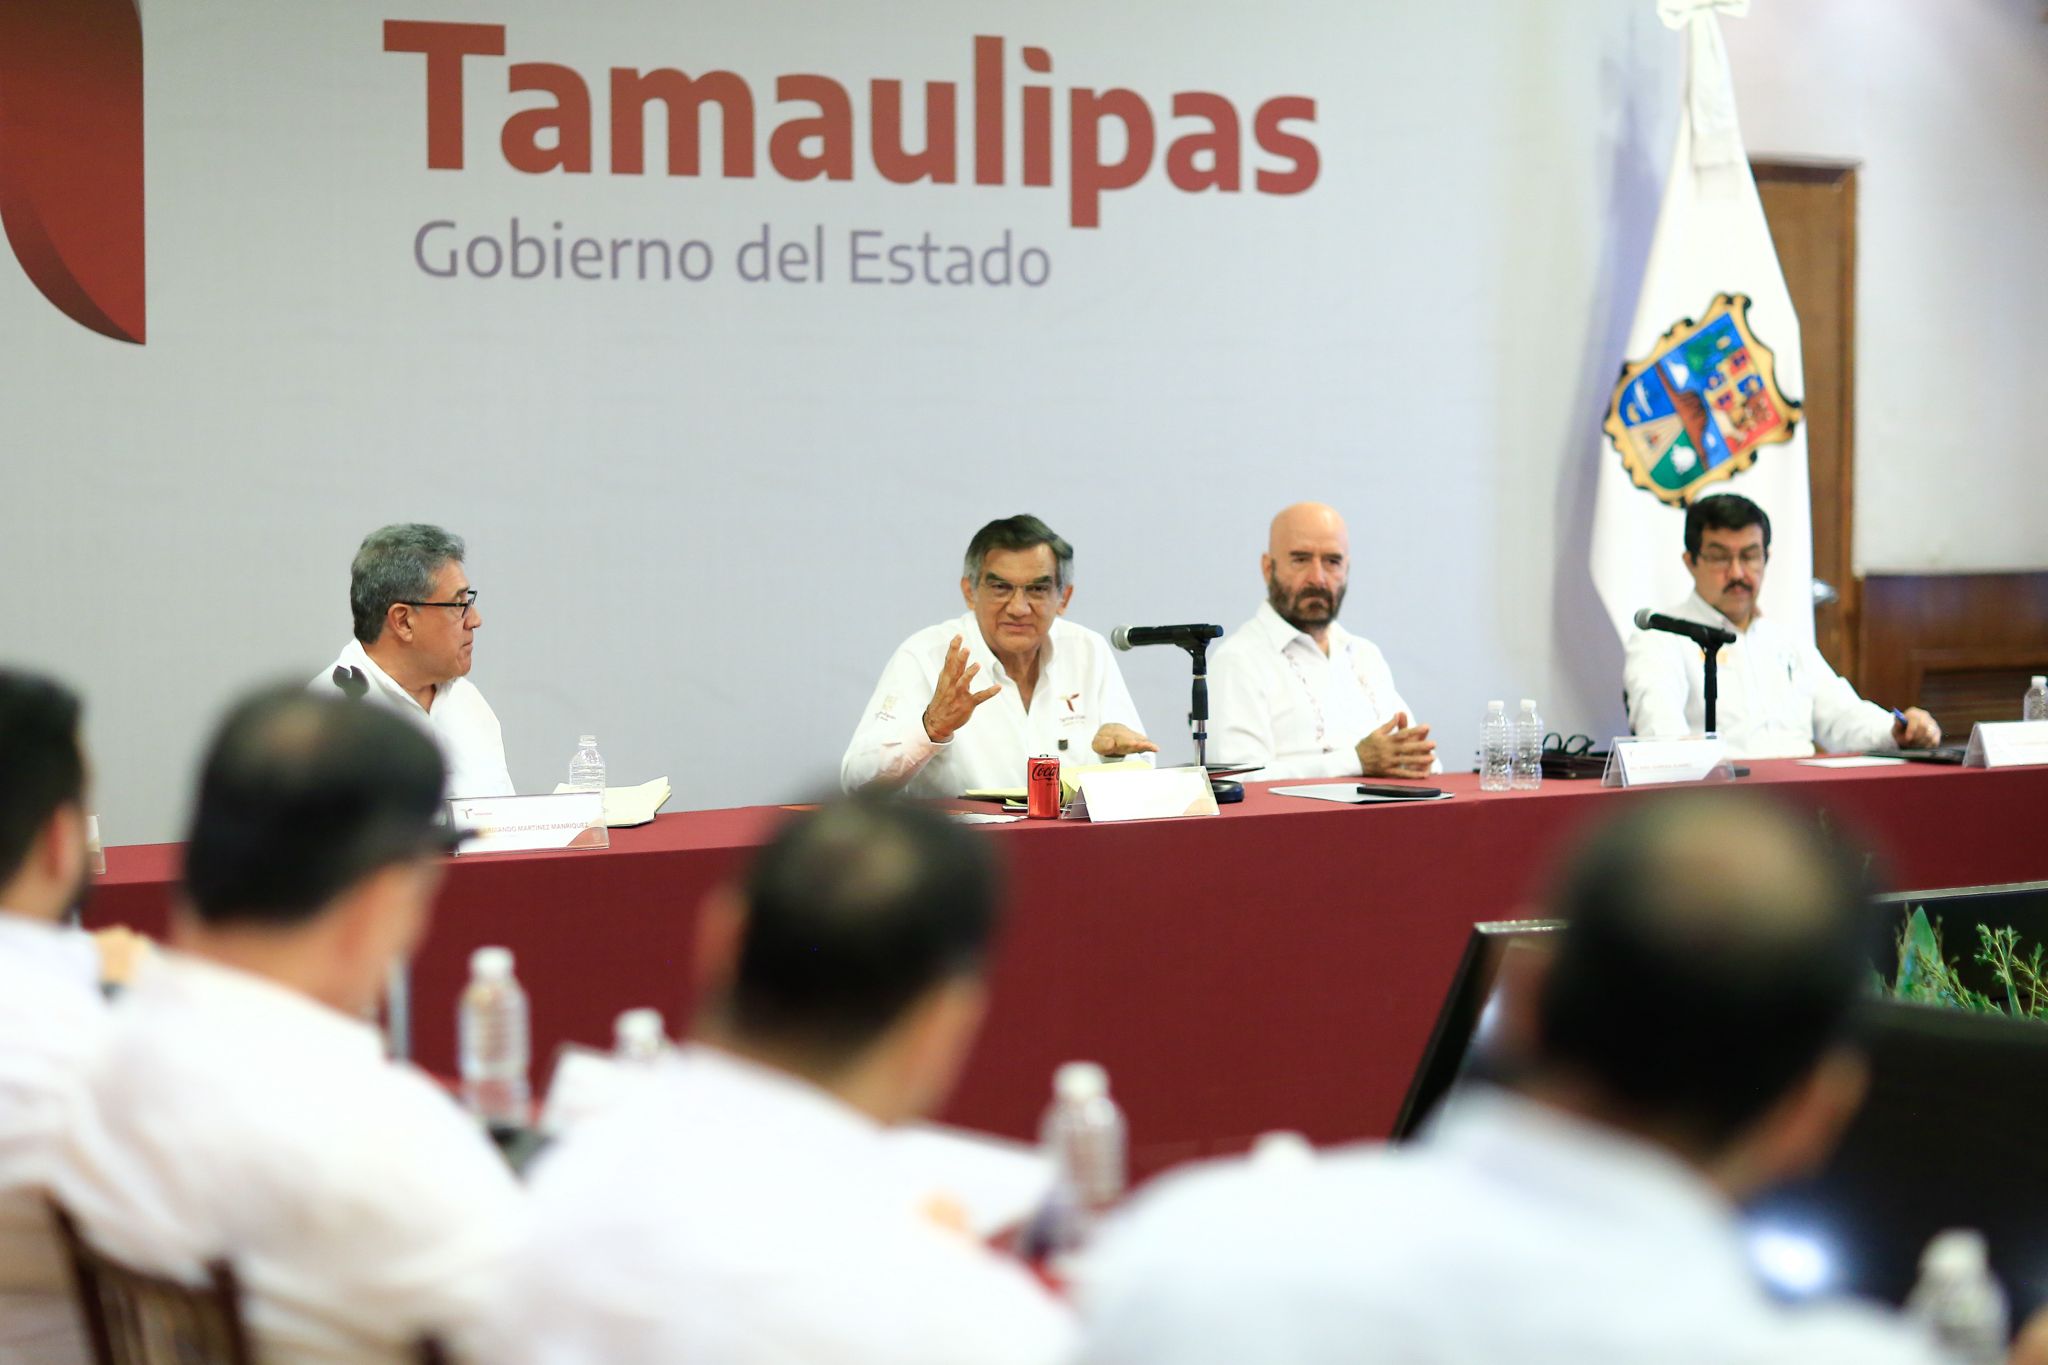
(1811, 207)
(1961, 645)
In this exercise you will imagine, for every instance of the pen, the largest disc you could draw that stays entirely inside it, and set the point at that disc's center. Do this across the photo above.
(1898, 715)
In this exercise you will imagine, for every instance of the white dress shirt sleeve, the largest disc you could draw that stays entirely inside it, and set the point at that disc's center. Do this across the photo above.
(890, 745)
(1240, 711)
(1658, 684)
(1842, 721)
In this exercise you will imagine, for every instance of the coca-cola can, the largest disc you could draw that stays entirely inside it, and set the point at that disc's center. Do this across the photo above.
(1042, 787)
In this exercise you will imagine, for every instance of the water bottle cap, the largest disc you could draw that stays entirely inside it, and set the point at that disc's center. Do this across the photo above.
(1080, 1081)
(641, 1027)
(1494, 706)
(1282, 1150)
(586, 741)
(2040, 681)
(1955, 1253)
(1529, 704)
(491, 964)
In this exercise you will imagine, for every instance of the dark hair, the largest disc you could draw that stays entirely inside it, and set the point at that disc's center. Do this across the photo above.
(1021, 532)
(42, 768)
(853, 912)
(1723, 512)
(301, 796)
(1714, 947)
(396, 563)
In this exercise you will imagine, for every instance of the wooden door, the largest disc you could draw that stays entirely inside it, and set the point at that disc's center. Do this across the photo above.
(1811, 207)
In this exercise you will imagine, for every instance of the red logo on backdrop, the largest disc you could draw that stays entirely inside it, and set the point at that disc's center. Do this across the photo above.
(71, 156)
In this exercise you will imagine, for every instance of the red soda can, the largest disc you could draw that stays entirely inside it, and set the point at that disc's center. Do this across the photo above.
(1042, 787)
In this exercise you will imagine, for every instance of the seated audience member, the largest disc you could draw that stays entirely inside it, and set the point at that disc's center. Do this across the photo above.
(1683, 1049)
(741, 1206)
(243, 1107)
(1777, 696)
(1296, 694)
(52, 1013)
(416, 621)
(962, 704)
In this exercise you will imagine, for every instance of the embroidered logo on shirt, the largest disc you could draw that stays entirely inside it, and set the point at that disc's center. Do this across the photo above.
(1699, 406)
(1070, 699)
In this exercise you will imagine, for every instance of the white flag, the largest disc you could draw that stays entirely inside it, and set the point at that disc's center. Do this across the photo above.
(1707, 397)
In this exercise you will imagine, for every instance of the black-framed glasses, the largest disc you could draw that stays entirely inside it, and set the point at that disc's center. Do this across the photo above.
(1571, 746)
(463, 603)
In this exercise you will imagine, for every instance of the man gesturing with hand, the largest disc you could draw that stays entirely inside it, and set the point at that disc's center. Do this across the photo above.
(1296, 694)
(962, 704)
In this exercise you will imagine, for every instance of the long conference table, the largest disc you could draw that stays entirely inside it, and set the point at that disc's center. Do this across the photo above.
(1278, 966)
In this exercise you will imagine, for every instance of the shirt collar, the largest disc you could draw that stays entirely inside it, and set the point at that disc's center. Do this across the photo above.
(766, 1095)
(1544, 1149)
(218, 989)
(1279, 634)
(978, 651)
(1697, 608)
(354, 655)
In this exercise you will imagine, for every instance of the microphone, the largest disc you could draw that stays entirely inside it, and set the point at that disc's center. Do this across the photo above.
(1187, 637)
(1706, 637)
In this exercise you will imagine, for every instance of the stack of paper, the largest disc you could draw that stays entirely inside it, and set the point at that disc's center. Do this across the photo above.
(625, 807)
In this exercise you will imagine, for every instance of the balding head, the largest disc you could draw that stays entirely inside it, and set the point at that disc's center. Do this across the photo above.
(1307, 566)
(1715, 946)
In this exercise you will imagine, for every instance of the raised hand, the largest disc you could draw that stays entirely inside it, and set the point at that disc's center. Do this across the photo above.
(954, 699)
(1395, 750)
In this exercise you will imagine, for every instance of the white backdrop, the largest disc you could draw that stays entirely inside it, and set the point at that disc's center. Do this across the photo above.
(701, 515)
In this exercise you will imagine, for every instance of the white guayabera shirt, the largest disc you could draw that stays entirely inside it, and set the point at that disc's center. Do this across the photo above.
(1277, 701)
(1777, 696)
(52, 1020)
(1079, 691)
(231, 1116)
(729, 1212)
(1510, 1232)
(462, 723)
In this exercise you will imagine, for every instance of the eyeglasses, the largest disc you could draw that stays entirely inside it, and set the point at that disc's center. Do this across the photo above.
(1751, 558)
(462, 604)
(1571, 746)
(1002, 590)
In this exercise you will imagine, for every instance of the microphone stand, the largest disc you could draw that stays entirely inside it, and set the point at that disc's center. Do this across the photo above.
(1713, 685)
(1224, 790)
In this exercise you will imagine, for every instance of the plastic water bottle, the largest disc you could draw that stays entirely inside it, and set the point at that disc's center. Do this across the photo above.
(491, 1026)
(1528, 763)
(1496, 761)
(1083, 1136)
(1959, 1299)
(586, 768)
(639, 1036)
(2035, 707)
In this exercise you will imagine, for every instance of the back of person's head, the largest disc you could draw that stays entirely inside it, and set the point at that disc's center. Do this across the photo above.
(302, 796)
(1713, 948)
(42, 768)
(854, 913)
(1723, 512)
(396, 563)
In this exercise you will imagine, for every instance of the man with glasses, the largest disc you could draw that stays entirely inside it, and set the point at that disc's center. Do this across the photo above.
(415, 628)
(1778, 698)
(964, 703)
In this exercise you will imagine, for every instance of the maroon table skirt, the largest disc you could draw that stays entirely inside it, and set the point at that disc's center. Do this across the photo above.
(1276, 967)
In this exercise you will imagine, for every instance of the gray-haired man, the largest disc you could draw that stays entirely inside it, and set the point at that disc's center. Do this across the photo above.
(962, 704)
(415, 626)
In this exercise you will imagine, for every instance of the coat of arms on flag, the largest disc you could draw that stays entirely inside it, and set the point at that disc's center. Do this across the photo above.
(1699, 406)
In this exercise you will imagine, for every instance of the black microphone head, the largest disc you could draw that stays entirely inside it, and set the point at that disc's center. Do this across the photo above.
(1643, 618)
(1121, 637)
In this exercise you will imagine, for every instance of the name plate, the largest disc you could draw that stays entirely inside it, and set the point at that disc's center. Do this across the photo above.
(1137, 792)
(1659, 762)
(519, 824)
(2007, 744)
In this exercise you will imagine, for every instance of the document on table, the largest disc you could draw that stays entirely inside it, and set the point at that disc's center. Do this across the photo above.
(1347, 793)
(625, 807)
(1852, 761)
(976, 817)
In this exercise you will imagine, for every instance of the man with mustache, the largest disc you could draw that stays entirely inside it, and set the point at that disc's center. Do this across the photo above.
(1296, 694)
(1778, 698)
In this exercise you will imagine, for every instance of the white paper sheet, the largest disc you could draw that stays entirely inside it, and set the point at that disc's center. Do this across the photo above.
(1347, 793)
(1853, 761)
